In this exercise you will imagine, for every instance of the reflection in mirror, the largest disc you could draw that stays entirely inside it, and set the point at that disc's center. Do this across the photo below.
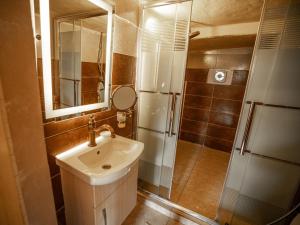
(124, 98)
(78, 40)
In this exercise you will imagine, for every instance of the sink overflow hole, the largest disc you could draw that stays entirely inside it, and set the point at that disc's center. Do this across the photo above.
(98, 152)
(106, 166)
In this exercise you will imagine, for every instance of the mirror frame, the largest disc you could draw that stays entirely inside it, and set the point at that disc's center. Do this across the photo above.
(114, 92)
(46, 62)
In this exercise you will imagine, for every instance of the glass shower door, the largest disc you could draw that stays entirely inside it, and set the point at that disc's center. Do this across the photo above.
(264, 174)
(162, 59)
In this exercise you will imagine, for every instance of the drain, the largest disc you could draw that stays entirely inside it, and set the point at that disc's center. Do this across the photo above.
(106, 166)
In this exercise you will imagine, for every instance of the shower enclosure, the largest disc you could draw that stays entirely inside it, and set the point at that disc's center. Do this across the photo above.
(163, 48)
(264, 174)
(263, 177)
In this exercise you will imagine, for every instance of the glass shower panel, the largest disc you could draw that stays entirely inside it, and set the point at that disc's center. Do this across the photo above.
(157, 48)
(148, 70)
(177, 81)
(276, 133)
(155, 70)
(285, 91)
(153, 111)
(263, 193)
(162, 58)
(264, 177)
(151, 161)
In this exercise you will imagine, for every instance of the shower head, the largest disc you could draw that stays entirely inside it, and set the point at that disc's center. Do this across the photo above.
(194, 34)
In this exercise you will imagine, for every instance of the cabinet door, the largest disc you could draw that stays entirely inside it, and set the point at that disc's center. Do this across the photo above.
(111, 211)
(120, 203)
(100, 218)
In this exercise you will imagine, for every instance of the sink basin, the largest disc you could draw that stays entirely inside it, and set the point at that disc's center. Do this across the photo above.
(105, 163)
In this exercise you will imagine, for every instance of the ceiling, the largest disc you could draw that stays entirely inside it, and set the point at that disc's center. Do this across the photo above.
(68, 8)
(222, 42)
(221, 12)
(214, 13)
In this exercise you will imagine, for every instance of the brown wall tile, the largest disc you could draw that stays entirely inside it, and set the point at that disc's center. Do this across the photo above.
(226, 106)
(197, 101)
(240, 77)
(215, 107)
(196, 60)
(218, 144)
(199, 89)
(57, 127)
(229, 92)
(89, 69)
(123, 69)
(199, 139)
(234, 61)
(195, 127)
(89, 98)
(59, 143)
(195, 114)
(89, 84)
(223, 119)
(196, 75)
(220, 132)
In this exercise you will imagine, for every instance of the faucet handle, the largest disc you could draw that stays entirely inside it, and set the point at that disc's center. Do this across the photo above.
(92, 122)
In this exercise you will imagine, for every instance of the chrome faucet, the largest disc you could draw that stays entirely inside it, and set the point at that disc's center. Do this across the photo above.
(93, 130)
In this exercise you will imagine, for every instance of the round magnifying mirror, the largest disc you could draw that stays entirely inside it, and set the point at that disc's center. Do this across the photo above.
(124, 98)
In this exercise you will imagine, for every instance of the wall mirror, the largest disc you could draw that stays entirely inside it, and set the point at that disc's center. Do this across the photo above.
(73, 42)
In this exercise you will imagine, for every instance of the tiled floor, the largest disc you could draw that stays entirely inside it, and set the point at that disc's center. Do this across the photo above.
(143, 215)
(198, 177)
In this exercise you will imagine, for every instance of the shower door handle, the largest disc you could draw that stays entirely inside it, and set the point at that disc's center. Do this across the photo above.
(248, 126)
(172, 114)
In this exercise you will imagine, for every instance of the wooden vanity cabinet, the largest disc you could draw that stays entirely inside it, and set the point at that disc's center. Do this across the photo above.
(108, 204)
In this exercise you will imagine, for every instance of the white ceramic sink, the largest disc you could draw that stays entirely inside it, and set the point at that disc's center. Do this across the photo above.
(105, 163)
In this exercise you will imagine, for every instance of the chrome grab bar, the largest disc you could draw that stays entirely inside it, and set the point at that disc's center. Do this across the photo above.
(172, 115)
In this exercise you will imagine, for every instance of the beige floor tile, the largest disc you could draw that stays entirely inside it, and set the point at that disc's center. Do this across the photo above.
(143, 215)
(201, 189)
(186, 158)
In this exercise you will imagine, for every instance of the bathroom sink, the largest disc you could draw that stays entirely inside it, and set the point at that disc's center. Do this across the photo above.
(105, 163)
